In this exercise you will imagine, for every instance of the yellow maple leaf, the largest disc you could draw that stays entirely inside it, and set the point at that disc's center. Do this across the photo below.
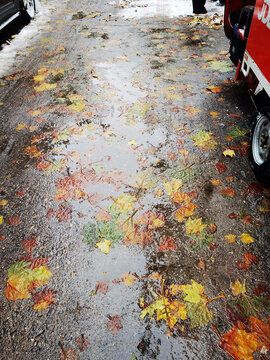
(173, 186)
(45, 87)
(214, 114)
(215, 182)
(229, 152)
(128, 279)
(247, 239)
(175, 289)
(104, 246)
(39, 78)
(124, 203)
(21, 126)
(230, 238)
(3, 202)
(186, 210)
(195, 226)
(238, 288)
(194, 292)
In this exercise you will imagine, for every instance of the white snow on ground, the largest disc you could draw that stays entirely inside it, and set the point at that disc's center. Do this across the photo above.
(24, 38)
(167, 8)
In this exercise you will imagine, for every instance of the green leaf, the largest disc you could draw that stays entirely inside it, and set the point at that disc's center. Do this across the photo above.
(90, 235)
(222, 66)
(19, 268)
(236, 132)
(250, 305)
(181, 172)
(199, 314)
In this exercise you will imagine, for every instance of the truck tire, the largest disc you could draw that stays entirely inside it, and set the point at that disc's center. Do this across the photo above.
(28, 9)
(259, 154)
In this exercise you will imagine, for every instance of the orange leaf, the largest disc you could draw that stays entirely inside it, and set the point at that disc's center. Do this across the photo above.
(239, 344)
(262, 330)
(180, 197)
(186, 210)
(228, 192)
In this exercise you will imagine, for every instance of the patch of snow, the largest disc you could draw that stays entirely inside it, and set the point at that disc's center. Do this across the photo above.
(166, 8)
(25, 38)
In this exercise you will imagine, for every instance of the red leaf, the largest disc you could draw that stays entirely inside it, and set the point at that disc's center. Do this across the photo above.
(102, 287)
(260, 288)
(228, 192)
(2, 238)
(82, 342)
(262, 330)
(14, 220)
(221, 167)
(20, 193)
(37, 262)
(253, 189)
(63, 213)
(42, 166)
(114, 324)
(43, 299)
(167, 244)
(29, 243)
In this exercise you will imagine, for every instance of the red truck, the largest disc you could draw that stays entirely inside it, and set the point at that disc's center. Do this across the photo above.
(247, 25)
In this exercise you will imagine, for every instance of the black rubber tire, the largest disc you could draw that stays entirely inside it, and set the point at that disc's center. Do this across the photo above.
(260, 166)
(28, 13)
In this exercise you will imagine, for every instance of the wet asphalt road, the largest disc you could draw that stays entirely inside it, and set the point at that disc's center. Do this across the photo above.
(113, 178)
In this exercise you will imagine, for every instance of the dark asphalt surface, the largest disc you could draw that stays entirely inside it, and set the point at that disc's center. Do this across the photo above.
(133, 108)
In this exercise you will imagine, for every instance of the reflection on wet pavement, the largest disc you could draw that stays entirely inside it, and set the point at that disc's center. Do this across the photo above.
(124, 183)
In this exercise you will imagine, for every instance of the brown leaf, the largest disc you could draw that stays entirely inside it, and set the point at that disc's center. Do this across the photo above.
(201, 265)
(29, 243)
(253, 189)
(37, 262)
(14, 220)
(221, 167)
(82, 342)
(167, 244)
(102, 287)
(68, 354)
(262, 330)
(114, 324)
(228, 192)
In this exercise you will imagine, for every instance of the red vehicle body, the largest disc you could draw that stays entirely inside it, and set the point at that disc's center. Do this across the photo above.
(247, 25)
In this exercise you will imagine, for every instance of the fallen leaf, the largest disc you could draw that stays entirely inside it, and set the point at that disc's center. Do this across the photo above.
(247, 239)
(214, 89)
(102, 287)
(229, 192)
(103, 215)
(104, 246)
(194, 292)
(239, 344)
(229, 152)
(29, 243)
(3, 202)
(238, 288)
(45, 87)
(114, 324)
(82, 342)
(195, 226)
(215, 182)
(43, 299)
(248, 260)
(186, 210)
(21, 126)
(128, 279)
(173, 186)
(221, 167)
(261, 330)
(167, 244)
(68, 354)
(14, 220)
(230, 238)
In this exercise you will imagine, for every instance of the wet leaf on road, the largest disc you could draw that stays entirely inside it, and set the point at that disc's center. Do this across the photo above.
(82, 342)
(247, 239)
(102, 287)
(128, 279)
(114, 324)
(43, 299)
(238, 288)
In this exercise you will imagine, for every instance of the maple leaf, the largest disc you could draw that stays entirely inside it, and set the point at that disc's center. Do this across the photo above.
(173, 186)
(37, 262)
(32, 151)
(194, 292)
(63, 213)
(124, 203)
(239, 344)
(221, 167)
(114, 324)
(199, 314)
(14, 220)
(204, 140)
(191, 111)
(68, 354)
(248, 260)
(103, 215)
(20, 277)
(178, 197)
(172, 313)
(238, 288)
(230, 238)
(43, 299)
(247, 239)
(214, 89)
(104, 246)
(262, 330)
(195, 226)
(102, 287)
(229, 152)
(167, 244)
(29, 243)
(186, 210)
(253, 189)
(82, 342)
(128, 279)
(155, 276)
(45, 87)
(215, 182)
(228, 193)
(236, 132)
(222, 66)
